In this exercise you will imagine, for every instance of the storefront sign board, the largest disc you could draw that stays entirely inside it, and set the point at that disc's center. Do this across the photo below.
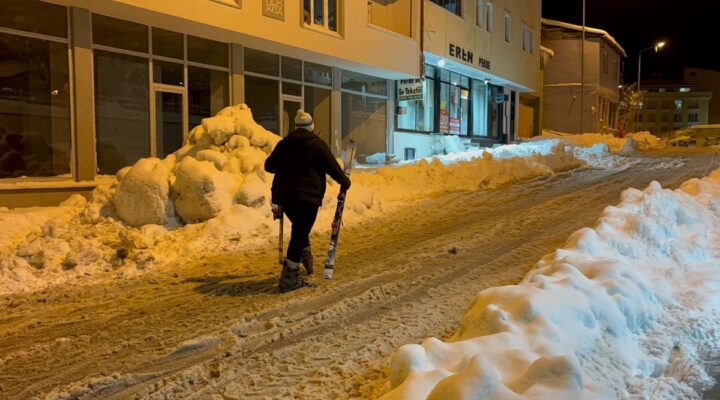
(409, 89)
(444, 121)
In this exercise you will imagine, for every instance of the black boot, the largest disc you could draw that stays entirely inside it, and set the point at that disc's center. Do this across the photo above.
(290, 278)
(306, 258)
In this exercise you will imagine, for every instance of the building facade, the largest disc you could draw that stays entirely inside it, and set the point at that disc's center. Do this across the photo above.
(597, 82)
(669, 106)
(88, 87)
(708, 80)
(480, 55)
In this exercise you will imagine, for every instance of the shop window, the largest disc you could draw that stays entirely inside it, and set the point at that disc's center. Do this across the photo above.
(34, 16)
(451, 5)
(208, 93)
(121, 110)
(167, 44)
(292, 89)
(207, 51)
(168, 73)
(34, 108)
(291, 68)
(263, 97)
(364, 118)
(479, 108)
(126, 35)
(321, 14)
(318, 103)
(453, 107)
(419, 114)
(364, 83)
(318, 74)
(262, 62)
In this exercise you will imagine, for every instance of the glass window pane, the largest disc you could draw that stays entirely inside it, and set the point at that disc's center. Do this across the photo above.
(419, 115)
(34, 16)
(168, 73)
(364, 83)
(429, 71)
(122, 114)
(318, 12)
(318, 74)
(262, 62)
(318, 103)
(332, 18)
(167, 43)
(292, 68)
(206, 51)
(34, 108)
(114, 32)
(168, 123)
(293, 89)
(479, 108)
(262, 96)
(208, 93)
(444, 75)
(364, 119)
(306, 11)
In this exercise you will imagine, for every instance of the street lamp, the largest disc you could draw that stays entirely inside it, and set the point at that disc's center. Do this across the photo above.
(658, 46)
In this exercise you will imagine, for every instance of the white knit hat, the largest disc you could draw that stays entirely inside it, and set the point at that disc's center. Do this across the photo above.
(304, 120)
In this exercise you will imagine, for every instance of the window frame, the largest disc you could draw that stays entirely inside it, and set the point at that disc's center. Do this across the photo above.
(489, 16)
(479, 13)
(325, 26)
(444, 4)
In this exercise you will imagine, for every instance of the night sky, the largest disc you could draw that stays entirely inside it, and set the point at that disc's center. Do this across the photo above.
(690, 27)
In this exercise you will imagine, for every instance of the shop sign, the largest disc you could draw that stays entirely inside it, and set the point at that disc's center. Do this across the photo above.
(409, 89)
(457, 52)
(444, 121)
(454, 126)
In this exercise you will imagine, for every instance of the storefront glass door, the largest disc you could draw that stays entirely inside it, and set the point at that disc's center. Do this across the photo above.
(290, 107)
(169, 125)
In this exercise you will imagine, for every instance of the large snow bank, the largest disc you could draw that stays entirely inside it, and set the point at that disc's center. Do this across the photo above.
(632, 141)
(213, 195)
(619, 312)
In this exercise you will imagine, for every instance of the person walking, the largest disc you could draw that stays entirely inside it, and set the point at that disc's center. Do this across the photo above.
(300, 163)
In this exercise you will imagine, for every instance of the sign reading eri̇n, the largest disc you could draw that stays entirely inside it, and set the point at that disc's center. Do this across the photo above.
(409, 89)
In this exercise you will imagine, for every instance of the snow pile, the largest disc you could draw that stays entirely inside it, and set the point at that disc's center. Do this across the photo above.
(619, 312)
(201, 179)
(632, 141)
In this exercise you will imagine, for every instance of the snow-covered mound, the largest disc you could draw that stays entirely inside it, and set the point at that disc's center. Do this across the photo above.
(618, 313)
(632, 141)
(201, 179)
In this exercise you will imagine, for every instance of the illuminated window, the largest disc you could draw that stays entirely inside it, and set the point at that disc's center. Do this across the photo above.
(678, 104)
(684, 89)
(321, 14)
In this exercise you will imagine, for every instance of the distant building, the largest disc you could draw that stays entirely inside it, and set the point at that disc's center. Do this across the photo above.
(562, 89)
(531, 104)
(670, 106)
(708, 80)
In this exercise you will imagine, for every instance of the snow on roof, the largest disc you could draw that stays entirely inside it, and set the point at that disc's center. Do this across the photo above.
(714, 126)
(604, 34)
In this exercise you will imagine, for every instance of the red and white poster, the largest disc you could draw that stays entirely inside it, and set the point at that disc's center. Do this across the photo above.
(454, 126)
(444, 121)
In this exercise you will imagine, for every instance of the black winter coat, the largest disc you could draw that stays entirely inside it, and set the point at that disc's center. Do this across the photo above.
(300, 162)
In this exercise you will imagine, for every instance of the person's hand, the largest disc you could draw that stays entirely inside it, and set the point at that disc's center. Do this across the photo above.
(345, 185)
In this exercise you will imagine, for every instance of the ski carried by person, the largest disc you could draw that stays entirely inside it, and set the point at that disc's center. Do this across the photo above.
(337, 220)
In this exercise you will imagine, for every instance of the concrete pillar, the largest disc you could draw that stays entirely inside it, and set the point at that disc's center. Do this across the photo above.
(237, 66)
(84, 154)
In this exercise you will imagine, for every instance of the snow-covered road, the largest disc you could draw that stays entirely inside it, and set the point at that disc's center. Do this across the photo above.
(201, 330)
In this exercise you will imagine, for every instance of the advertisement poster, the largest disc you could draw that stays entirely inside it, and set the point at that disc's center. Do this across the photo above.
(444, 121)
